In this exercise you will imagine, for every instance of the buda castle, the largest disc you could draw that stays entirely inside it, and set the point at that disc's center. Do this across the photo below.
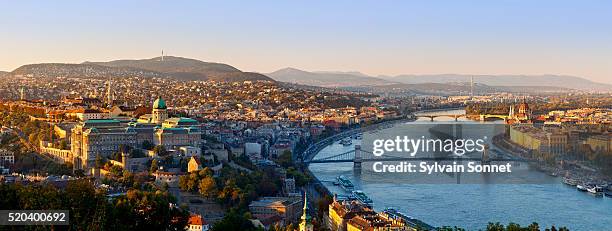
(106, 136)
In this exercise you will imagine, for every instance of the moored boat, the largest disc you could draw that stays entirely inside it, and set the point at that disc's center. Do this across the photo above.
(595, 190)
(362, 197)
(581, 188)
(345, 183)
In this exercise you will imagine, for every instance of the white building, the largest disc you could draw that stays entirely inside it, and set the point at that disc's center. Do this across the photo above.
(189, 151)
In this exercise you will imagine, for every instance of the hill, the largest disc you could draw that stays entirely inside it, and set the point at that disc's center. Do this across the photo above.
(326, 79)
(560, 81)
(187, 69)
(170, 67)
(500, 82)
(53, 70)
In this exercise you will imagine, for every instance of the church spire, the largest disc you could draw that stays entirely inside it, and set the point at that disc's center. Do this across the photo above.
(306, 224)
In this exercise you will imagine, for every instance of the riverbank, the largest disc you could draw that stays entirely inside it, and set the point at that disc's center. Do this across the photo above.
(570, 170)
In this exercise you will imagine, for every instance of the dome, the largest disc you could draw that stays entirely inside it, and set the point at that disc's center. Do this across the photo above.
(159, 103)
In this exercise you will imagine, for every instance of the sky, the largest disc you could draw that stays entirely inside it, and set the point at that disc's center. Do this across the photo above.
(374, 37)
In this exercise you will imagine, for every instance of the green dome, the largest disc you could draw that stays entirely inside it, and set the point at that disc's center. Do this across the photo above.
(159, 103)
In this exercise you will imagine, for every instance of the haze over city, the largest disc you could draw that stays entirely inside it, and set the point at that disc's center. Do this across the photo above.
(376, 38)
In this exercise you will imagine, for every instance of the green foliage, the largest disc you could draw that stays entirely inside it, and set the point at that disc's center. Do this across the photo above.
(233, 221)
(160, 150)
(231, 187)
(285, 159)
(516, 227)
(301, 179)
(90, 209)
(147, 145)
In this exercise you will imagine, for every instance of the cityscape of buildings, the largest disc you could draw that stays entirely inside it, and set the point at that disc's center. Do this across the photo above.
(181, 133)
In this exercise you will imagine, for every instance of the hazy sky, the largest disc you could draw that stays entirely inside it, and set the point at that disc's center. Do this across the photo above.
(374, 37)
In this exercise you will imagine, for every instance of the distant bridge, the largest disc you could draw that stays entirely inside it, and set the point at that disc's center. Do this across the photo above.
(431, 117)
(485, 116)
(358, 156)
(457, 116)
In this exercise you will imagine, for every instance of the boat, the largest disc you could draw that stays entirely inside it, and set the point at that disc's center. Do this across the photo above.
(570, 181)
(595, 190)
(581, 188)
(362, 197)
(345, 183)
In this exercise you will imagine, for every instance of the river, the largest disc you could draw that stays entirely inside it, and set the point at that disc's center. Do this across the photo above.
(472, 206)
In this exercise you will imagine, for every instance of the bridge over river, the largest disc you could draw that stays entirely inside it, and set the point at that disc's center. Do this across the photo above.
(482, 117)
(359, 156)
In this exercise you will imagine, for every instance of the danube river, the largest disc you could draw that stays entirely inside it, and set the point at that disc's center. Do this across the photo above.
(472, 206)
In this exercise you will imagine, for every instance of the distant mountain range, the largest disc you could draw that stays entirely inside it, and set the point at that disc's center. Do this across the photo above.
(3, 73)
(192, 69)
(356, 79)
(326, 79)
(172, 67)
(562, 81)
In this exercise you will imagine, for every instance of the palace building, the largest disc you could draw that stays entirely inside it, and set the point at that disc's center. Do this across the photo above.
(106, 136)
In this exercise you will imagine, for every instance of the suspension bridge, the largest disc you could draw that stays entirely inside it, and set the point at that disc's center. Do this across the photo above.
(359, 156)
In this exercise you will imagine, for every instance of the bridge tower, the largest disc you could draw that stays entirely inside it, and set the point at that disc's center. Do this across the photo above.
(485, 155)
(357, 160)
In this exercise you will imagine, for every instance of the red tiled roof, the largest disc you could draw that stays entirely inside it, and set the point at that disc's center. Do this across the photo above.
(196, 220)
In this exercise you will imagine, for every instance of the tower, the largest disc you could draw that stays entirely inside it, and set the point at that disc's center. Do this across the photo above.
(306, 224)
(471, 86)
(109, 93)
(162, 57)
(22, 93)
(124, 160)
(357, 160)
(160, 111)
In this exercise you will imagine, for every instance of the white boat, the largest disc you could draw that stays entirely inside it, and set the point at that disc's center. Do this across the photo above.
(596, 190)
(581, 188)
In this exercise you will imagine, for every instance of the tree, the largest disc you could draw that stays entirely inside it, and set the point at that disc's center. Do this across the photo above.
(534, 227)
(79, 173)
(285, 159)
(100, 161)
(154, 166)
(233, 221)
(495, 227)
(147, 145)
(160, 150)
(207, 187)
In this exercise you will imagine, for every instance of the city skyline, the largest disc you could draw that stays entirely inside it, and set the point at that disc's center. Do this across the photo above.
(529, 38)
